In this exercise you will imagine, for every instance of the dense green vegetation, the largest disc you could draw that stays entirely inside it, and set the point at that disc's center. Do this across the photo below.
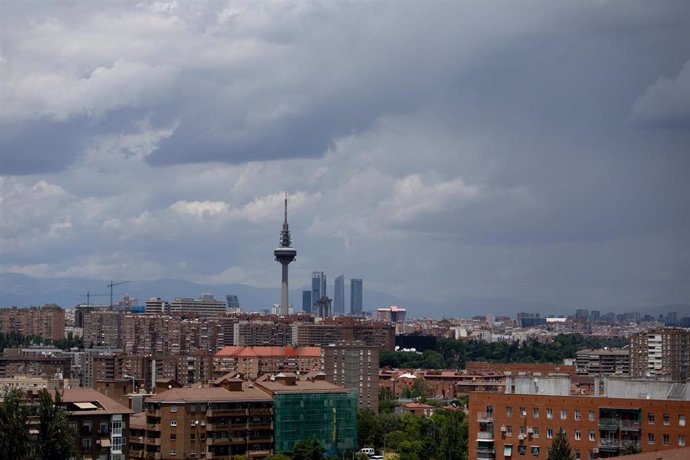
(54, 440)
(442, 436)
(15, 339)
(453, 354)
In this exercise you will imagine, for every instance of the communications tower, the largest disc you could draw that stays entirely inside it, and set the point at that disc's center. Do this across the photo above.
(285, 254)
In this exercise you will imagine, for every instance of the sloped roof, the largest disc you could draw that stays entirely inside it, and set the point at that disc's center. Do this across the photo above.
(209, 394)
(89, 395)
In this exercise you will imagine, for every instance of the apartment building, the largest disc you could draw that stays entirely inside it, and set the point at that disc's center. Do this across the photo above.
(603, 361)
(523, 424)
(103, 328)
(47, 321)
(37, 362)
(661, 352)
(354, 366)
(252, 362)
(253, 333)
(100, 423)
(214, 422)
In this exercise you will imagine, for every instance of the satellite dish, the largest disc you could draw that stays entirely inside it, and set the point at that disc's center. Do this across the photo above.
(169, 387)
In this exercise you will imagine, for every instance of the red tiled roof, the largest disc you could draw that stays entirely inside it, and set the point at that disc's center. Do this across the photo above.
(261, 351)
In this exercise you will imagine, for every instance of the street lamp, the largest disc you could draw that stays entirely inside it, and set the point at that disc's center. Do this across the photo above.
(127, 376)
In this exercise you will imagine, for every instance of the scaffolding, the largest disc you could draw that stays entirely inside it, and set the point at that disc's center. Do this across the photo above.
(330, 418)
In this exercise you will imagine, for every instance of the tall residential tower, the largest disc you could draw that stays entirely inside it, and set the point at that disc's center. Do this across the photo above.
(285, 254)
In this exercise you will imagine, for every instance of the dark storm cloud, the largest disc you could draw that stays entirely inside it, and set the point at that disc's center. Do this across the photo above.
(538, 151)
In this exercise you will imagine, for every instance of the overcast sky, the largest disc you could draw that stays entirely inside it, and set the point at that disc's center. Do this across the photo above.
(537, 151)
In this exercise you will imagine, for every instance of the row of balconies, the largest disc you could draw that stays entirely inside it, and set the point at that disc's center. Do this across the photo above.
(617, 424)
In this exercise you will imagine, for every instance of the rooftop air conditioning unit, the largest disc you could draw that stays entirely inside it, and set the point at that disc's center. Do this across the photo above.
(530, 430)
(595, 450)
(503, 428)
(521, 437)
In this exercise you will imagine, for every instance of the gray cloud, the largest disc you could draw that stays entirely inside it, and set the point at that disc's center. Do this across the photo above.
(442, 151)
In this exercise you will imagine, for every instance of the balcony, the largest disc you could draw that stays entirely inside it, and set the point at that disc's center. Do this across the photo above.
(136, 440)
(630, 425)
(137, 453)
(486, 454)
(485, 416)
(261, 411)
(226, 413)
(153, 441)
(485, 436)
(610, 424)
(609, 444)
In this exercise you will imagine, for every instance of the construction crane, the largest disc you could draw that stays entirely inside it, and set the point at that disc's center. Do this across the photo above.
(111, 290)
(88, 296)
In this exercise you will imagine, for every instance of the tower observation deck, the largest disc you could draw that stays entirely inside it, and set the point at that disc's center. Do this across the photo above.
(284, 254)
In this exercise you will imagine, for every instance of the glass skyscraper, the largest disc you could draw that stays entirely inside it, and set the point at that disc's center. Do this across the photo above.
(356, 296)
(306, 301)
(318, 288)
(339, 296)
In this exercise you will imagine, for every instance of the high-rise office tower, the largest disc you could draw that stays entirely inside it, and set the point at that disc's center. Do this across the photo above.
(306, 301)
(318, 288)
(356, 296)
(232, 302)
(339, 296)
(285, 254)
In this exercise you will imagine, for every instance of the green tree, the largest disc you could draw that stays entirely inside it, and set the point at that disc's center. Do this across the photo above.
(630, 449)
(308, 450)
(55, 440)
(560, 448)
(369, 430)
(15, 442)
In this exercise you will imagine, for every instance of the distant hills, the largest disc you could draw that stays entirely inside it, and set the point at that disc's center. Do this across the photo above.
(22, 291)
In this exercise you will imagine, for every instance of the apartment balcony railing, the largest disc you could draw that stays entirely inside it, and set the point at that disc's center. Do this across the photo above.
(485, 416)
(485, 436)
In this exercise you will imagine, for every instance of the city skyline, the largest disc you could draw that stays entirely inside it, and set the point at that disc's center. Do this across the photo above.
(443, 152)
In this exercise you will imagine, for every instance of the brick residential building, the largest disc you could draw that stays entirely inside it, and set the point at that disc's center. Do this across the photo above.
(662, 352)
(355, 366)
(215, 422)
(252, 362)
(522, 424)
(603, 361)
(100, 423)
(47, 321)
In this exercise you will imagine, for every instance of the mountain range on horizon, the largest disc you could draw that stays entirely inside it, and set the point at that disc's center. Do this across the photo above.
(21, 290)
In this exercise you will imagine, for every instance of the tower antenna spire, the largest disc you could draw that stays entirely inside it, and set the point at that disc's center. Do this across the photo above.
(285, 208)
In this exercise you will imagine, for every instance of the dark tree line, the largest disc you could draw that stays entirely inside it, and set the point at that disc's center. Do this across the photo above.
(16, 339)
(454, 354)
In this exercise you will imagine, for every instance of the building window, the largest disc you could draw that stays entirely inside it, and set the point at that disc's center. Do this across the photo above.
(522, 450)
(535, 412)
(173, 408)
(578, 414)
(523, 412)
(667, 419)
(173, 422)
(592, 436)
(523, 430)
(564, 414)
(535, 451)
(667, 439)
(173, 452)
(650, 418)
(593, 455)
(681, 440)
(509, 411)
(509, 430)
(549, 413)
(578, 435)
(86, 444)
(592, 416)
(535, 432)
(681, 420)
(549, 433)
(192, 408)
(578, 454)
(202, 408)
(650, 438)
(173, 436)
(192, 436)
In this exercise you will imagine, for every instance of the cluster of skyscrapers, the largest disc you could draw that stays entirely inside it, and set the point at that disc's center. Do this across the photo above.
(317, 302)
